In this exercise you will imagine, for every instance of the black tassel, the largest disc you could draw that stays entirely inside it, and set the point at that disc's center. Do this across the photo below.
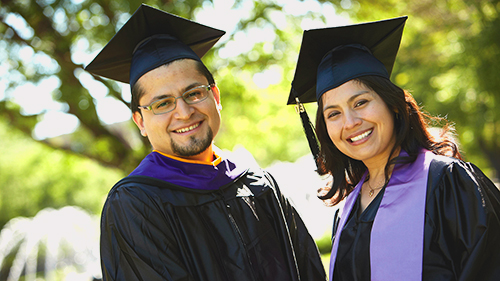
(309, 130)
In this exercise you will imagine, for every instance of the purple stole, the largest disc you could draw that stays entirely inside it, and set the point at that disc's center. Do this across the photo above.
(187, 173)
(397, 236)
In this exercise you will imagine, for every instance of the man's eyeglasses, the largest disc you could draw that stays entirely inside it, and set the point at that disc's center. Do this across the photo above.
(192, 96)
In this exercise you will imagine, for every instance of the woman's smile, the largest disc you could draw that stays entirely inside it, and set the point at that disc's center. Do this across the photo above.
(362, 136)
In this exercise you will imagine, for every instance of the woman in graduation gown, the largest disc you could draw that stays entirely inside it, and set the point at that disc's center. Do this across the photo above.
(414, 210)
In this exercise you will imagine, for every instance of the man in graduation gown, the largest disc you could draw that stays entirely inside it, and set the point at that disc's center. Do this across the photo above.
(188, 212)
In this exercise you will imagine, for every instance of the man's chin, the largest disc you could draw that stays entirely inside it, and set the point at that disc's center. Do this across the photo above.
(194, 146)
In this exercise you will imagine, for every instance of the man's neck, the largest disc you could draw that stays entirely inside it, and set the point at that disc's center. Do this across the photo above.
(206, 157)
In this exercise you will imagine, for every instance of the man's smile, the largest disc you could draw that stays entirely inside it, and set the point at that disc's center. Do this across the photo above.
(187, 129)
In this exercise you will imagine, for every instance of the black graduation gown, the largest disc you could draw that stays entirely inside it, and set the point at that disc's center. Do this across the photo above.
(461, 231)
(246, 230)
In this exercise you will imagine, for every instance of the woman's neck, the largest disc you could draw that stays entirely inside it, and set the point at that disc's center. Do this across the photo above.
(376, 167)
(376, 178)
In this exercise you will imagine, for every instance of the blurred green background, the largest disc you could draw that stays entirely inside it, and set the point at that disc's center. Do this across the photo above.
(66, 137)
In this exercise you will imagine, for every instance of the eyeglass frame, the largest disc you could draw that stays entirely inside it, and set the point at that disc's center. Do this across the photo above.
(149, 107)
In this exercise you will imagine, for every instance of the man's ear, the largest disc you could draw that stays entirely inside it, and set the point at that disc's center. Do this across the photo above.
(216, 92)
(137, 117)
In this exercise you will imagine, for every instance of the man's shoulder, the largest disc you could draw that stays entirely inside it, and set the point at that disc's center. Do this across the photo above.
(154, 185)
(133, 186)
(136, 182)
(147, 190)
(260, 180)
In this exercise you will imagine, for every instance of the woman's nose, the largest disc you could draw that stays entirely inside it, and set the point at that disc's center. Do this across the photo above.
(351, 120)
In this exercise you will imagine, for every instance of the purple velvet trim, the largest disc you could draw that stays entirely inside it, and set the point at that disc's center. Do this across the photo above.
(196, 176)
(397, 237)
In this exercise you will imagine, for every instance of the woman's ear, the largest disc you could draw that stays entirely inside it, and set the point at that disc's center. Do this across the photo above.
(137, 117)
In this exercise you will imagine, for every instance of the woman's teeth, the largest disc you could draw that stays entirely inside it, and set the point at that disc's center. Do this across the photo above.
(187, 129)
(362, 136)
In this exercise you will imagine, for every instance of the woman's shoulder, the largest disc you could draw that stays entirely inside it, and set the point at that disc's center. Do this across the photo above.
(461, 181)
(449, 168)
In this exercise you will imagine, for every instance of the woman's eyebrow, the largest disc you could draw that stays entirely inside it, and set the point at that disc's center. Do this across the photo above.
(362, 92)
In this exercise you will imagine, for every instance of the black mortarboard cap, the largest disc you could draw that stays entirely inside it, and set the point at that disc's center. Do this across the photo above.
(330, 57)
(151, 38)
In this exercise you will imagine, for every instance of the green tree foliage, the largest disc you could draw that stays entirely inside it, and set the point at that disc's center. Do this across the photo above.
(52, 30)
(34, 176)
(448, 60)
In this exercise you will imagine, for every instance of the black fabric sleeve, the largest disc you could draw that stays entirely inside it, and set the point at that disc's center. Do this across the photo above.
(462, 226)
(135, 240)
(305, 249)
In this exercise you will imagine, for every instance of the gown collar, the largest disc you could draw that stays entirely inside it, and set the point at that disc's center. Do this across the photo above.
(189, 173)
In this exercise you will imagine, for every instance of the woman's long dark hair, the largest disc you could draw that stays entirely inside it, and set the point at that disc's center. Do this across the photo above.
(413, 130)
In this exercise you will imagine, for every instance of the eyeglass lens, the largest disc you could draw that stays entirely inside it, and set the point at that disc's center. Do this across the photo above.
(192, 96)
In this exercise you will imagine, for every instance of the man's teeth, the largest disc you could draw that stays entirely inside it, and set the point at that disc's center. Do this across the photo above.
(187, 129)
(362, 136)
